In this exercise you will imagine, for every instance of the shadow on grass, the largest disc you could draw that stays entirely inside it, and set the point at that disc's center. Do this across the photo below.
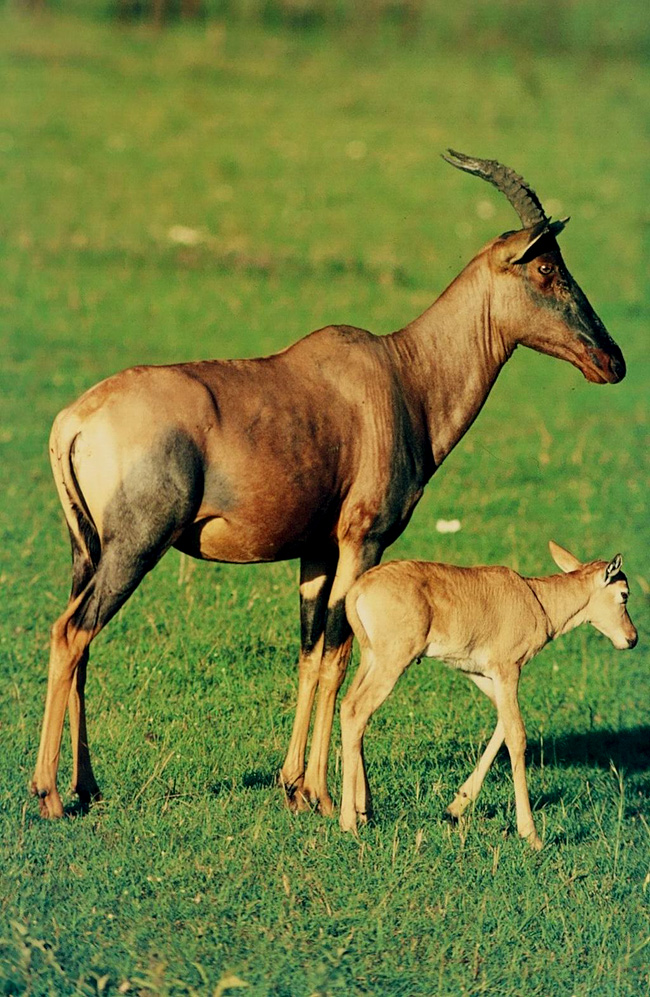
(256, 779)
(259, 779)
(627, 750)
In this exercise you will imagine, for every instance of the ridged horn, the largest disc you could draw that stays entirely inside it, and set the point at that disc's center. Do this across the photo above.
(522, 197)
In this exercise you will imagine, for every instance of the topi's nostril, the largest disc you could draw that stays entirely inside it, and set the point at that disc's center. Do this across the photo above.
(618, 367)
(614, 361)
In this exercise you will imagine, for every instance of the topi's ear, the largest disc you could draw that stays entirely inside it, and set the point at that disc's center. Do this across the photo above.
(527, 244)
(563, 558)
(612, 569)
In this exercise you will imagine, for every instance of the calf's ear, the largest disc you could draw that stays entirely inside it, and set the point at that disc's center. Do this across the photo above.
(613, 568)
(563, 558)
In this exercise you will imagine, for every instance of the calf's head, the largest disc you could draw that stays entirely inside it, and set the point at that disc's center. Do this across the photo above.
(607, 591)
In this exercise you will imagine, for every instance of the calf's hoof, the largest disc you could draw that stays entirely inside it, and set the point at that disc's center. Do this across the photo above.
(300, 803)
(326, 806)
(349, 824)
(458, 806)
(534, 841)
(311, 799)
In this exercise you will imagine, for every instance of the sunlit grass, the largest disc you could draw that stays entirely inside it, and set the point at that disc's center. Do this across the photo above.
(309, 171)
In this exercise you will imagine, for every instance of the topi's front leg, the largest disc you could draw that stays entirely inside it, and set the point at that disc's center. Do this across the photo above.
(353, 560)
(316, 577)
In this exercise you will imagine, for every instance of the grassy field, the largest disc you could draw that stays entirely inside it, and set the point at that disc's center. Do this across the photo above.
(221, 191)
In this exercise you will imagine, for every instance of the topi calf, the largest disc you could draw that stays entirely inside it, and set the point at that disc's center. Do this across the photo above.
(487, 622)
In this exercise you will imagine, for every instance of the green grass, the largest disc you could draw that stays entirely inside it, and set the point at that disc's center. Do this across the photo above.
(309, 166)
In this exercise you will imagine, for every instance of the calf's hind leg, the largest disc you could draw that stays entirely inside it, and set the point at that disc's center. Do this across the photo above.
(353, 560)
(470, 789)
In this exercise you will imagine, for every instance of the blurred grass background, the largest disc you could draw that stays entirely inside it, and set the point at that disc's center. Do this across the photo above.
(619, 29)
(208, 180)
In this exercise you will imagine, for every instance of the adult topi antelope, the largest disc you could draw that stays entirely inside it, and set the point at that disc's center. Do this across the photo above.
(488, 623)
(319, 452)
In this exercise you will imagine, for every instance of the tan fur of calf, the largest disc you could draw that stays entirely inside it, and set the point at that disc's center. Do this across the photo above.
(486, 622)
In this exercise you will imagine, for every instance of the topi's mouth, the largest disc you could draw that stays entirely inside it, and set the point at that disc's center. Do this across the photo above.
(600, 366)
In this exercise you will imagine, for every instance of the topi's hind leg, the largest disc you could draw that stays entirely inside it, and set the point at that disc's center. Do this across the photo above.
(68, 646)
(83, 782)
(145, 515)
(119, 573)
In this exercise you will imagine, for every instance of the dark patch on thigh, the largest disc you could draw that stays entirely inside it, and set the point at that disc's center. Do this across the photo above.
(337, 628)
(83, 568)
(84, 559)
(157, 499)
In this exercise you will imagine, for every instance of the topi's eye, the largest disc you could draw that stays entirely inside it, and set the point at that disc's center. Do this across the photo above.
(545, 268)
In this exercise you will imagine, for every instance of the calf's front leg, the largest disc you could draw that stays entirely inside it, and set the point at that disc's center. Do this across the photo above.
(515, 737)
(372, 685)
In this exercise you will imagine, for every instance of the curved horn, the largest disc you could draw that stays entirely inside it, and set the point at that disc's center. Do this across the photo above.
(522, 197)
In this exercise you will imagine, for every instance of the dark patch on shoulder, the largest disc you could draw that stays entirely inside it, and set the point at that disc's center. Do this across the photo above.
(352, 334)
(411, 466)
